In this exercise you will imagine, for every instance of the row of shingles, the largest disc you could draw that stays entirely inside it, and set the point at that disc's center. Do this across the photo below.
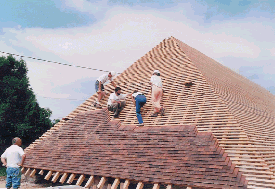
(257, 155)
(62, 140)
(160, 140)
(140, 72)
(75, 165)
(165, 59)
(262, 120)
(217, 127)
(212, 108)
(74, 150)
(237, 147)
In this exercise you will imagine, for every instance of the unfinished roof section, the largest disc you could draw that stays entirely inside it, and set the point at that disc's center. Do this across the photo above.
(90, 144)
(237, 111)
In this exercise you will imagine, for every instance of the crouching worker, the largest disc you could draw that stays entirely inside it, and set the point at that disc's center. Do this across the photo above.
(13, 158)
(116, 102)
(139, 100)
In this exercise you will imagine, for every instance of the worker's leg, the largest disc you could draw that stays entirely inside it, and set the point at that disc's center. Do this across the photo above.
(16, 178)
(140, 101)
(100, 94)
(156, 98)
(113, 107)
(122, 105)
(9, 178)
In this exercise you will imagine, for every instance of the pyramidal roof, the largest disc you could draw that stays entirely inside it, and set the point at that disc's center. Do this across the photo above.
(239, 114)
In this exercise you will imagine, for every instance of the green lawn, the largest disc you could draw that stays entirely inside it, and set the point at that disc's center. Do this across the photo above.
(3, 171)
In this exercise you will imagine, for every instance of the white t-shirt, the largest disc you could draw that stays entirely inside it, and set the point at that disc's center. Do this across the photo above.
(135, 94)
(156, 80)
(13, 154)
(113, 96)
(104, 78)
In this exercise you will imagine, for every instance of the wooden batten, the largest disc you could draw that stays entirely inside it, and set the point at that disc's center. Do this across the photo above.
(156, 186)
(188, 187)
(23, 170)
(56, 176)
(80, 180)
(140, 185)
(126, 184)
(90, 182)
(71, 178)
(63, 178)
(101, 183)
(48, 176)
(28, 172)
(115, 184)
(41, 172)
(33, 173)
(169, 186)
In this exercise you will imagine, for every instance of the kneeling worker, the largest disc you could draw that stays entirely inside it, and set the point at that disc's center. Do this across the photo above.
(139, 100)
(116, 102)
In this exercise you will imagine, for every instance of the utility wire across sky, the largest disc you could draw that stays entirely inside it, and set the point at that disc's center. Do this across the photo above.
(84, 67)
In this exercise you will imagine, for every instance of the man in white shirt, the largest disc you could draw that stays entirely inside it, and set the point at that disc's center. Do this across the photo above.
(13, 158)
(99, 86)
(157, 93)
(116, 102)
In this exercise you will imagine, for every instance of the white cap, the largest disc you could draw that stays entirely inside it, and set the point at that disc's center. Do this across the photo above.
(156, 71)
(113, 73)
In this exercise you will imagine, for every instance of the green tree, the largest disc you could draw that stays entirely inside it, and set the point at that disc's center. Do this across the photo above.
(20, 114)
(55, 121)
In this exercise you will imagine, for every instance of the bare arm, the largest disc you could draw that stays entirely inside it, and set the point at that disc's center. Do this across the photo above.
(113, 83)
(23, 160)
(115, 101)
(3, 160)
(133, 99)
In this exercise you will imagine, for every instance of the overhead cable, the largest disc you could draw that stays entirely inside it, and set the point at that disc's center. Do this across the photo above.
(56, 62)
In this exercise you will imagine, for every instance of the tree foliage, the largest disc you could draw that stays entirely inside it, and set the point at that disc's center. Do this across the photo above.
(20, 114)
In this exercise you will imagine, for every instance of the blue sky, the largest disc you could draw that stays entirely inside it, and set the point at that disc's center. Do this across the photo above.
(113, 34)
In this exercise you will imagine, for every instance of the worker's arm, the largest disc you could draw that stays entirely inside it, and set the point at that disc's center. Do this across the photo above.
(113, 83)
(3, 160)
(134, 101)
(115, 101)
(23, 160)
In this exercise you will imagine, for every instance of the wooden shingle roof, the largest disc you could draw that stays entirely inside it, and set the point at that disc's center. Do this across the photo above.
(90, 144)
(238, 112)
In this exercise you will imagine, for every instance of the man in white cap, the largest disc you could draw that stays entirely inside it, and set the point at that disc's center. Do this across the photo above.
(157, 93)
(99, 86)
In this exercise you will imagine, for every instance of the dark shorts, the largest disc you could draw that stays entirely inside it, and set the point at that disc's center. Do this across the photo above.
(97, 86)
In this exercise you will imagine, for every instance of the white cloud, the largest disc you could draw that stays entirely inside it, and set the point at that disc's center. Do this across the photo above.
(122, 37)
(272, 51)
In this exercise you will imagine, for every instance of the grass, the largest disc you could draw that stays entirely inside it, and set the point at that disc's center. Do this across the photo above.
(3, 171)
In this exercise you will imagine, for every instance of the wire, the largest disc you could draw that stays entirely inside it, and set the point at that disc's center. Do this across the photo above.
(62, 98)
(56, 62)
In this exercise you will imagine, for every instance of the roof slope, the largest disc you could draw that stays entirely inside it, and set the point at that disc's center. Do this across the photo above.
(238, 112)
(91, 144)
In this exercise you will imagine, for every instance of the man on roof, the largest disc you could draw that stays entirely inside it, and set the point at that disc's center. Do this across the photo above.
(13, 158)
(99, 86)
(117, 102)
(139, 100)
(157, 93)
